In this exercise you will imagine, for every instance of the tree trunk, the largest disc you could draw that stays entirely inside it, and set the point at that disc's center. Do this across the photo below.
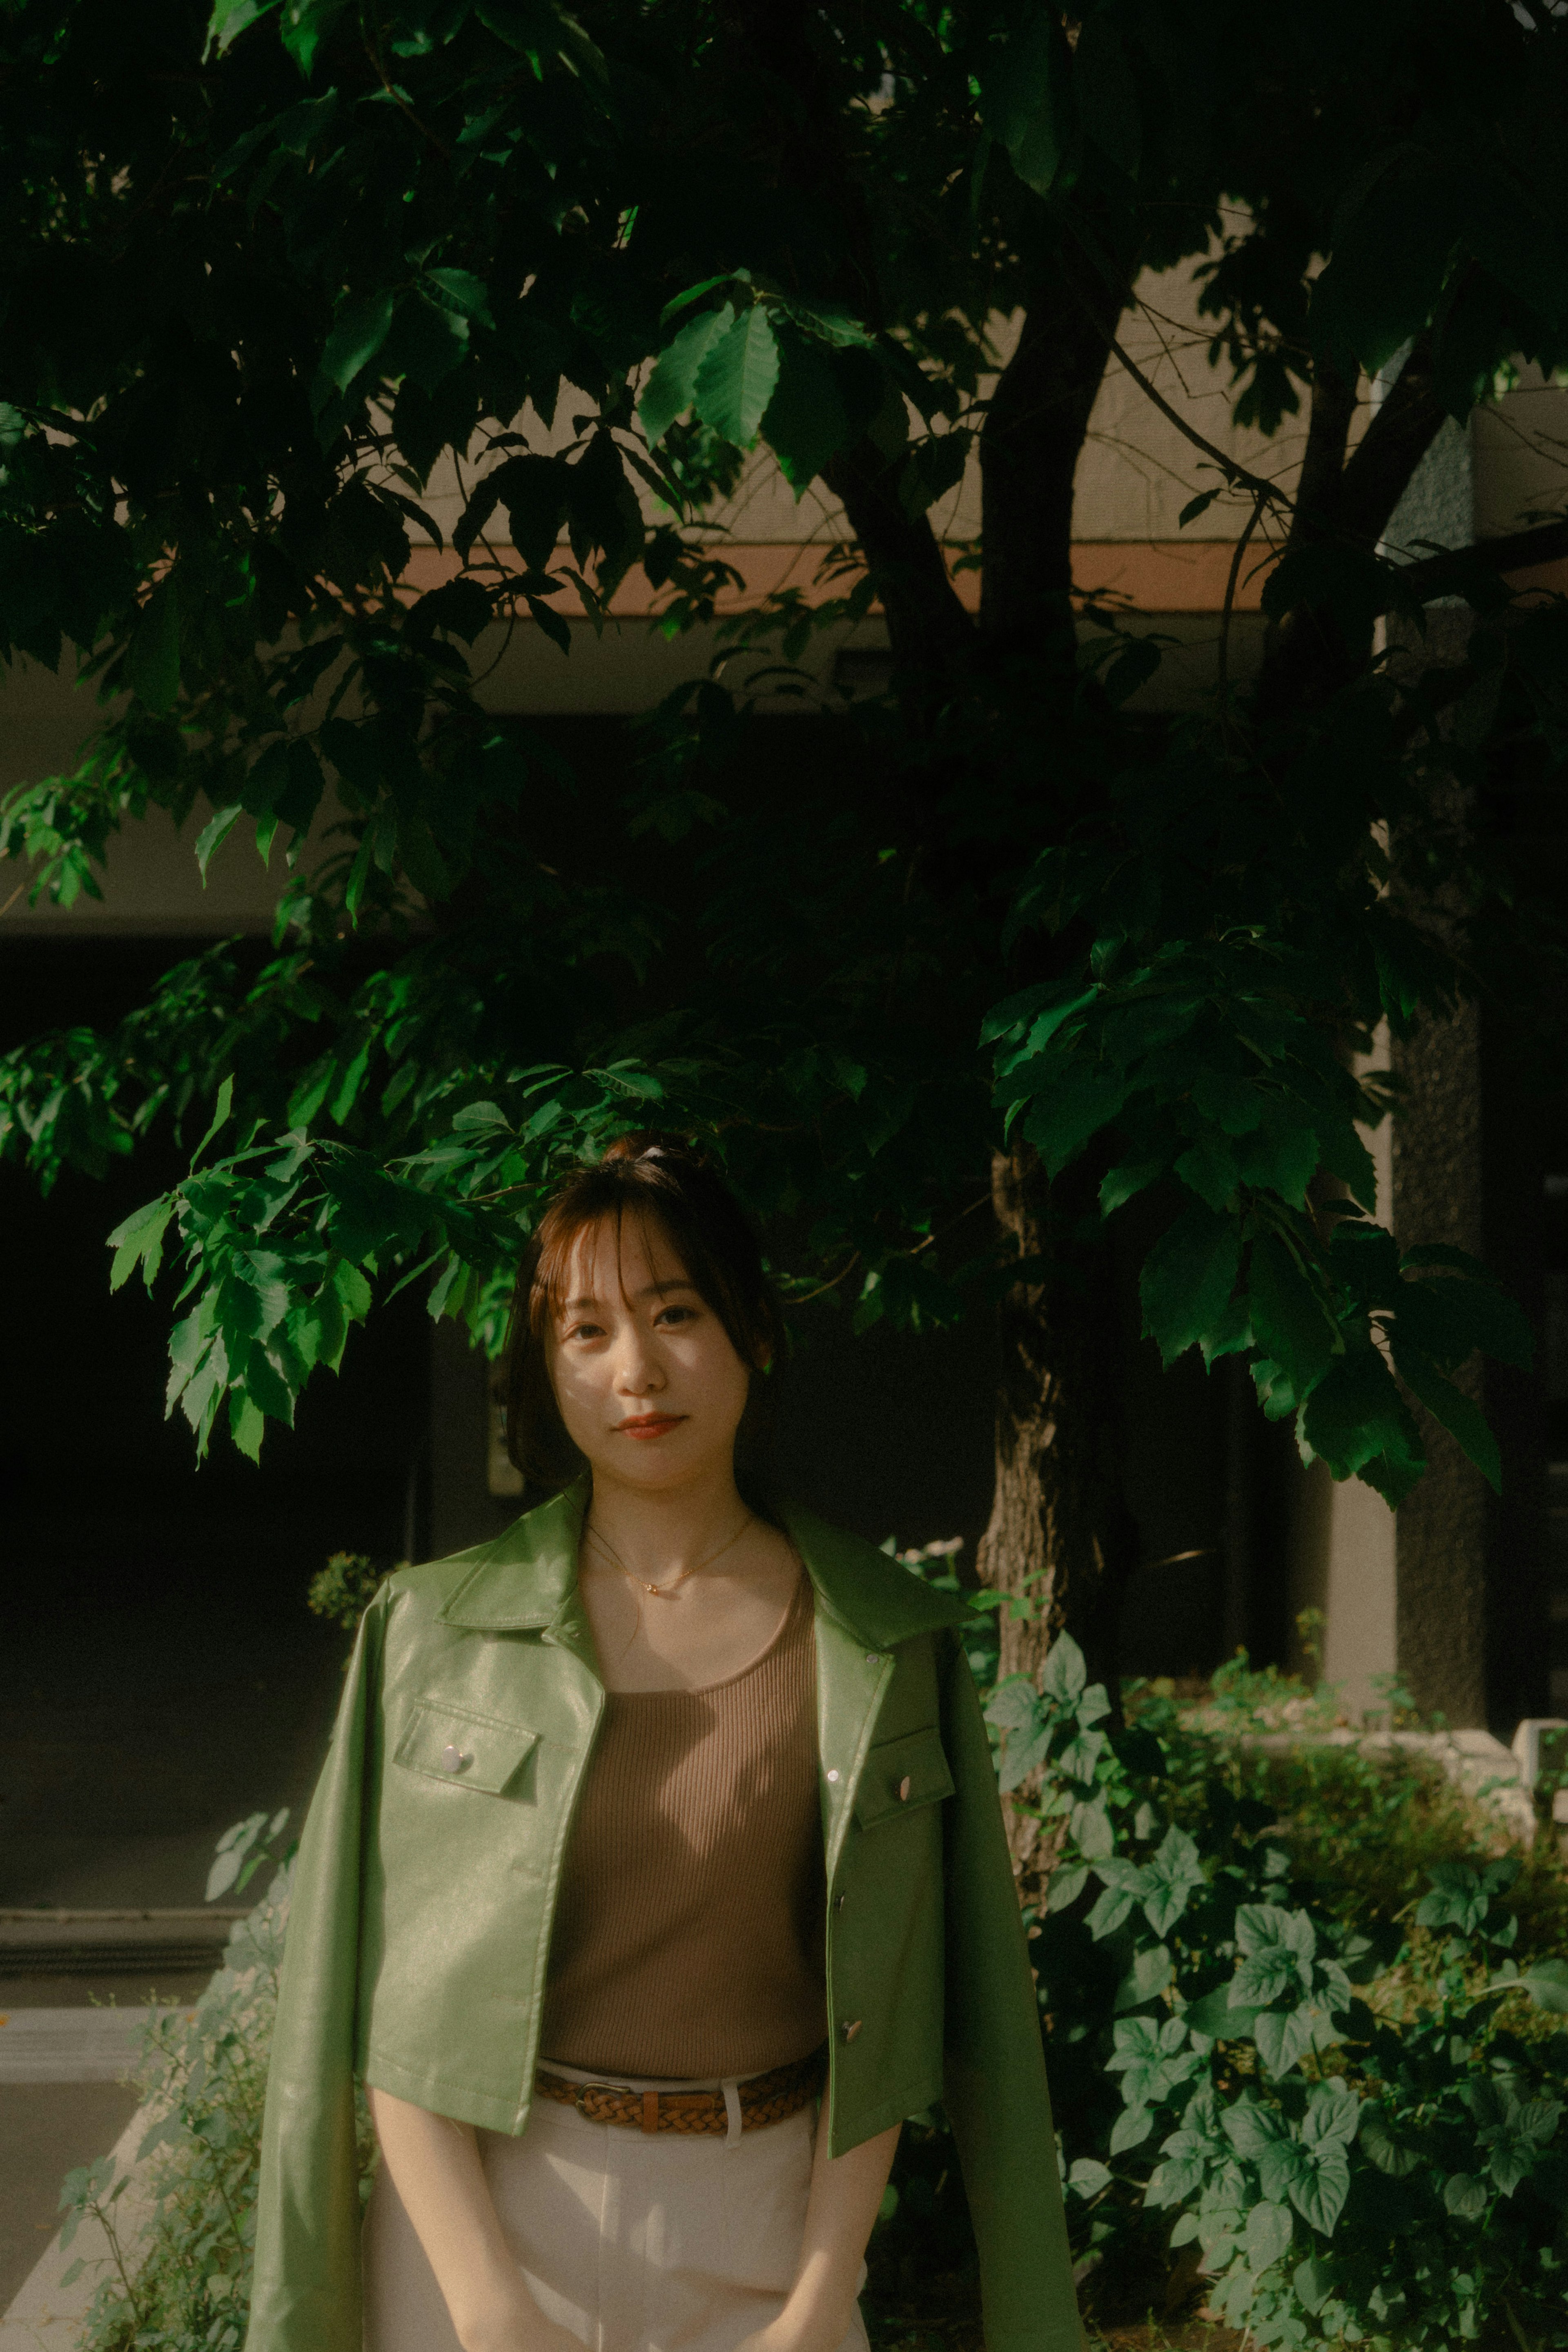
(1062, 1544)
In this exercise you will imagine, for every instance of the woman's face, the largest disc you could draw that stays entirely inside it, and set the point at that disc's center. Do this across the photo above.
(649, 1385)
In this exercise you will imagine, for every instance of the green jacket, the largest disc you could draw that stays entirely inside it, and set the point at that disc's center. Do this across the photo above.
(420, 1926)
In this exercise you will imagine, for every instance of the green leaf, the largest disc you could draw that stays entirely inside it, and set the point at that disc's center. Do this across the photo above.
(738, 377)
(356, 337)
(306, 24)
(1188, 1279)
(1025, 99)
(1546, 1982)
(464, 292)
(247, 1423)
(1151, 1970)
(1214, 2016)
(1066, 1886)
(1208, 1169)
(805, 422)
(1074, 1104)
(1251, 2128)
(671, 387)
(1389, 2153)
(221, 1111)
(1234, 1105)
(1452, 1316)
(140, 1242)
(153, 664)
(1319, 2184)
(1314, 2283)
(1281, 1155)
(1283, 2037)
(1120, 1184)
(218, 829)
(230, 18)
(1174, 1874)
(1131, 2128)
(1459, 1414)
(1288, 1318)
(1267, 2235)
(1357, 1416)
(1066, 1675)
(1092, 1832)
(1466, 2197)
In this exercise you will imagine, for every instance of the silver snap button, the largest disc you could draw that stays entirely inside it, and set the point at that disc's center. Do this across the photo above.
(873, 1657)
(849, 2028)
(833, 1776)
(452, 1759)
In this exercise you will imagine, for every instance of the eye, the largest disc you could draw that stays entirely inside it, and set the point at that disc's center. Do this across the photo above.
(677, 1314)
(585, 1330)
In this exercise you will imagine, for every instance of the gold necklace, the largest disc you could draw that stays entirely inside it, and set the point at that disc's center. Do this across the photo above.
(663, 1591)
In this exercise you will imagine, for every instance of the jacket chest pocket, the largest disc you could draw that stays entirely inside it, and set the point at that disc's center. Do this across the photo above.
(465, 1749)
(901, 1776)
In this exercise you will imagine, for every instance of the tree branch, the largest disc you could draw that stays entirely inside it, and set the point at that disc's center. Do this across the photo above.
(1331, 409)
(1235, 476)
(926, 624)
(1031, 442)
(1446, 573)
(1378, 471)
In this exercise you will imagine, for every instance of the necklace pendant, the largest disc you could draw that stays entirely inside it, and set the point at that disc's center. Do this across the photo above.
(656, 1589)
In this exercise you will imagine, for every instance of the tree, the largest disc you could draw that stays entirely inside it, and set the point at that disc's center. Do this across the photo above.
(263, 277)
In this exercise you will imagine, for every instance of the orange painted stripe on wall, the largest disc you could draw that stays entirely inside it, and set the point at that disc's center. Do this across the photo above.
(1158, 575)
(1146, 576)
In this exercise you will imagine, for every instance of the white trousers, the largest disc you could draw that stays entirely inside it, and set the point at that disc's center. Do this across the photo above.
(636, 2242)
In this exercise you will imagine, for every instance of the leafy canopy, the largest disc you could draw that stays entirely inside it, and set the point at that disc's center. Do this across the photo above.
(271, 277)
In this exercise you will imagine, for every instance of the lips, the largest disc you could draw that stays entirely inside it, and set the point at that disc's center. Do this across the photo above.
(651, 1424)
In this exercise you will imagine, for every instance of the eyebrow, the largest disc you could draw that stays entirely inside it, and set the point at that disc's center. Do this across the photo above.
(650, 1290)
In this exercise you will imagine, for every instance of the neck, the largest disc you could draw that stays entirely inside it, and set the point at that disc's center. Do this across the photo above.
(667, 1529)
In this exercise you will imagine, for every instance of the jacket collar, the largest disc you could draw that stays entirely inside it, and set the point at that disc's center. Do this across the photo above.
(526, 1579)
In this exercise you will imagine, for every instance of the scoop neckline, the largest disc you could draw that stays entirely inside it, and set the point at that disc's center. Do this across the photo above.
(725, 1682)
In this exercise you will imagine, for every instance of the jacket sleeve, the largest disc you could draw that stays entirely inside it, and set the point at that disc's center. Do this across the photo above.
(995, 2087)
(306, 2295)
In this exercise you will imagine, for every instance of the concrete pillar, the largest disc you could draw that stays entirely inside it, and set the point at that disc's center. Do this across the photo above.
(1342, 1554)
(1438, 1192)
(1442, 1525)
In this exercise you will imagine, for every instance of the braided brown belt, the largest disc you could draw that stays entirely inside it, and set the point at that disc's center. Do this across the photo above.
(764, 2099)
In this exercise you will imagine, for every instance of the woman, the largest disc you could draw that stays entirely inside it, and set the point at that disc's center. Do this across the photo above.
(642, 1828)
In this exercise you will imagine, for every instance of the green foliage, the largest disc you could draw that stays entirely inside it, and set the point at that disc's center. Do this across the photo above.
(181, 2281)
(343, 1589)
(1353, 2116)
(592, 260)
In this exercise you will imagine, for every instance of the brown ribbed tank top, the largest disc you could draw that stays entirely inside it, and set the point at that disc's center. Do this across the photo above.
(688, 1938)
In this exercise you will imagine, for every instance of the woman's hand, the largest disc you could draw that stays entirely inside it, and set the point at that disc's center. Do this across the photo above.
(516, 2326)
(803, 2335)
(435, 2168)
(845, 2193)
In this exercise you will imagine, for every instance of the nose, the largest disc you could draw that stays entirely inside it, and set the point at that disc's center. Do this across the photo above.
(638, 1372)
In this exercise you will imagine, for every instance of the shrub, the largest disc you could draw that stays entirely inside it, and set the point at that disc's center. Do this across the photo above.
(1356, 2121)
(184, 2284)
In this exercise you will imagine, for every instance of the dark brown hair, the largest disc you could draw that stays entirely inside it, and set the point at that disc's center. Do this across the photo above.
(655, 1179)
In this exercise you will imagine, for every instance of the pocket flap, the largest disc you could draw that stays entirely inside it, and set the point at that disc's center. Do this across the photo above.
(466, 1750)
(901, 1775)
